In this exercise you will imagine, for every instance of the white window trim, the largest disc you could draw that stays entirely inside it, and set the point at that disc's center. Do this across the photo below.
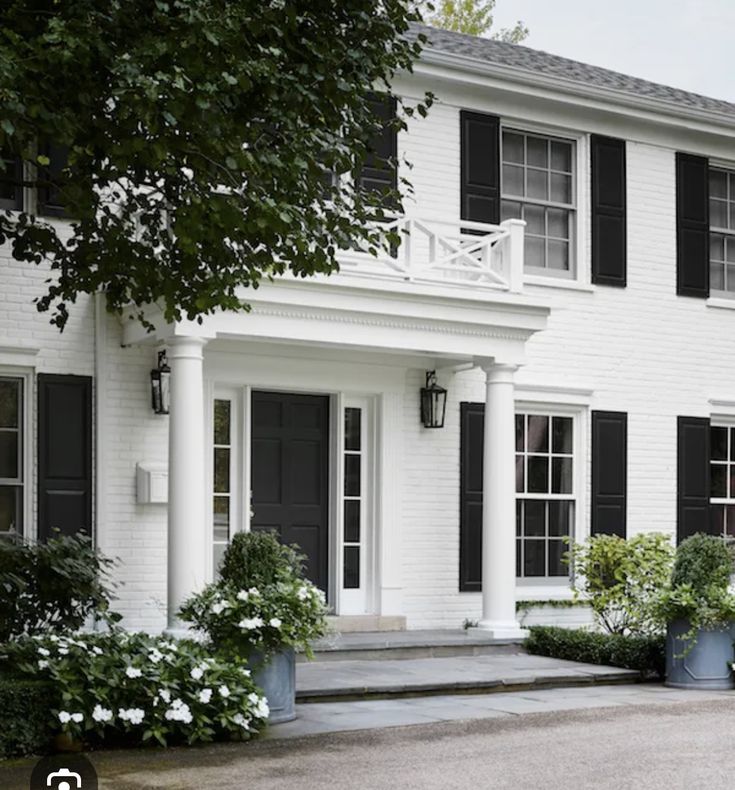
(581, 264)
(720, 421)
(720, 298)
(544, 588)
(27, 376)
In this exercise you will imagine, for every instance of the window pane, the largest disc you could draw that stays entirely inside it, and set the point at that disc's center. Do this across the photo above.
(730, 520)
(534, 524)
(561, 156)
(559, 518)
(9, 454)
(717, 276)
(729, 278)
(534, 251)
(538, 474)
(731, 493)
(732, 444)
(535, 217)
(519, 554)
(561, 188)
(513, 147)
(9, 392)
(534, 558)
(520, 432)
(352, 429)
(718, 443)
(538, 434)
(558, 255)
(352, 475)
(520, 473)
(730, 249)
(352, 520)
(558, 220)
(557, 567)
(717, 183)
(8, 509)
(519, 513)
(221, 518)
(717, 519)
(538, 184)
(562, 434)
(718, 480)
(512, 180)
(731, 216)
(222, 422)
(509, 209)
(717, 214)
(561, 475)
(221, 470)
(716, 247)
(537, 152)
(352, 567)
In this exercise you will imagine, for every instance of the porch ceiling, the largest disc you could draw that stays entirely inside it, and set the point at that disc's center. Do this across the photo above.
(350, 312)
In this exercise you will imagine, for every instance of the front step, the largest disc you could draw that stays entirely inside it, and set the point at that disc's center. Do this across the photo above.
(473, 674)
(406, 645)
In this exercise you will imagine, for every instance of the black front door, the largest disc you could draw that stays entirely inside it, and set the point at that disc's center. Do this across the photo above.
(290, 468)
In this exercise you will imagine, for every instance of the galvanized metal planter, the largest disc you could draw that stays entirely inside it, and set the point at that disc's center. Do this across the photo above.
(277, 678)
(706, 664)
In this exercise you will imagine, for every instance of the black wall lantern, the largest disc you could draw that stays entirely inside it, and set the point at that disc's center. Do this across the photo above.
(433, 402)
(160, 390)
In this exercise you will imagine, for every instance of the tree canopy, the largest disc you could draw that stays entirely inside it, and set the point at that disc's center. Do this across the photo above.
(471, 16)
(200, 139)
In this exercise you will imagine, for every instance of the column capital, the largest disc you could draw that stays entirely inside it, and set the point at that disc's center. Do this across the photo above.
(186, 347)
(497, 371)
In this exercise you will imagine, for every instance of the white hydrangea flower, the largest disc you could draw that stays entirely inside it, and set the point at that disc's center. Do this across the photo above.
(133, 715)
(63, 651)
(245, 672)
(100, 714)
(303, 593)
(165, 695)
(43, 664)
(64, 716)
(133, 672)
(179, 711)
(250, 623)
(205, 695)
(241, 721)
(196, 673)
(53, 638)
(43, 652)
(219, 607)
(274, 622)
(243, 595)
(253, 591)
(97, 650)
(224, 692)
(77, 718)
(155, 655)
(262, 710)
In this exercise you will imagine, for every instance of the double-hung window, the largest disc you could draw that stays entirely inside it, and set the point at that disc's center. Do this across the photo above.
(538, 186)
(545, 494)
(722, 231)
(722, 479)
(11, 455)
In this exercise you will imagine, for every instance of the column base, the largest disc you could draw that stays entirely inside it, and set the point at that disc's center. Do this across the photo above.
(505, 630)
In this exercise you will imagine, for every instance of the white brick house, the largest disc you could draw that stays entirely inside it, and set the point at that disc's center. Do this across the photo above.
(607, 324)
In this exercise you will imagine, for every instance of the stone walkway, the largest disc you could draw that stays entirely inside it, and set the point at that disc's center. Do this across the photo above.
(316, 718)
(350, 679)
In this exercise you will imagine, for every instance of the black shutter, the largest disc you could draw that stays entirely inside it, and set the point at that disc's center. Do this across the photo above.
(64, 454)
(692, 225)
(379, 171)
(11, 189)
(480, 167)
(608, 211)
(693, 477)
(50, 202)
(609, 472)
(472, 422)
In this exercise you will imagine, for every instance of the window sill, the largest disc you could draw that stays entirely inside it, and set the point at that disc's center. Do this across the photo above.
(721, 302)
(554, 282)
(544, 592)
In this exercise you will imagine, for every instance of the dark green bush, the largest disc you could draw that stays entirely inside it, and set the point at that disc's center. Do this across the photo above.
(24, 716)
(643, 653)
(51, 586)
(702, 562)
(258, 559)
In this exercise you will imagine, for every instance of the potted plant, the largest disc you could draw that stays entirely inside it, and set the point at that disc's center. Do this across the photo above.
(699, 611)
(262, 609)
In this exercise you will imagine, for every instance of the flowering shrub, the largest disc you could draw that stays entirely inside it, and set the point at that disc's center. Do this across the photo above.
(285, 614)
(139, 688)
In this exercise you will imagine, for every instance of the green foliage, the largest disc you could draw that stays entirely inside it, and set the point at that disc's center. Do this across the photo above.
(474, 17)
(621, 580)
(643, 653)
(200, 136)
(24, 719)
(698, 590)
(259, 559)
(51, 586)
(121, 687)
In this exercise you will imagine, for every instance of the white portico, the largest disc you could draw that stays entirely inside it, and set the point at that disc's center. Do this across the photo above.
(303, 403)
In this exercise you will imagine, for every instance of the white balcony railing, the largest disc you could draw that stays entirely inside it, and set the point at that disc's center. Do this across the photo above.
(470, 254)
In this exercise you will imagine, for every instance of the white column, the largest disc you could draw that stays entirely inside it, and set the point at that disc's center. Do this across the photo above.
(186, 474)
(498, 507)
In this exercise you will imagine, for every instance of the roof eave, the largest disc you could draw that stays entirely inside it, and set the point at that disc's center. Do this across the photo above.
(528, 77)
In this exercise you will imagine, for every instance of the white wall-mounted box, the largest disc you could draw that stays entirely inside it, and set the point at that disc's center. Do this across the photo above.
(151, 483)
